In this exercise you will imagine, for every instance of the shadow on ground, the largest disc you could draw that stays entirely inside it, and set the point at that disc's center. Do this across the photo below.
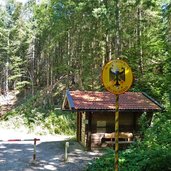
(50, 156)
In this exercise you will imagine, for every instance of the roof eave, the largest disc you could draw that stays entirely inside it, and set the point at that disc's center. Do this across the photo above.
(154, 101)
(113, 110)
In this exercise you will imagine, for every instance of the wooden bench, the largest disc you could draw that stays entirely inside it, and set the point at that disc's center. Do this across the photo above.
(123, 135)
(125, 138)
(107, 139)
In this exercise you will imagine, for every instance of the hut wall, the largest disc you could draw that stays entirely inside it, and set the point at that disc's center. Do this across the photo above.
(105, 122)
(102, 122)
(126, 122)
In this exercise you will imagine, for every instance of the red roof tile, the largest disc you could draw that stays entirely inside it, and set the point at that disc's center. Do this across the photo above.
(89, 100)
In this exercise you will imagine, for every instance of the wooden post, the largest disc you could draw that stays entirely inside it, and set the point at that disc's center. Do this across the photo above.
(89, 130)
(66, 151)
(117, 133)
(78, 127)
(34, 153)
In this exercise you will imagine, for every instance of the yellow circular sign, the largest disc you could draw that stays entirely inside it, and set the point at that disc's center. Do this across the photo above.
(117, 76)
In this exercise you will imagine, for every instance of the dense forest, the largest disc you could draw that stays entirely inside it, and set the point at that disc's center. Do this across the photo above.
(44, 43)
(48, 46)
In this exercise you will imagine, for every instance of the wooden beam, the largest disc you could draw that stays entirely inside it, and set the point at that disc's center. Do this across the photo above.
(89, 130)
(78, 127)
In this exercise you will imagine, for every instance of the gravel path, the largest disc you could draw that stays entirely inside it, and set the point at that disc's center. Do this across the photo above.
(17, 156)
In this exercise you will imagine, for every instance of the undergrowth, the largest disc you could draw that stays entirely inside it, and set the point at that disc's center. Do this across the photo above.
(41, 119)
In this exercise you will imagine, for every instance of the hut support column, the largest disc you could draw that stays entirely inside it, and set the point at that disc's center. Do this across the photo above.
(78, 127)
(89, 130)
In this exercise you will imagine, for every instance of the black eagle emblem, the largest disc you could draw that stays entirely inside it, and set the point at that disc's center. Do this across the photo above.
(116, 75)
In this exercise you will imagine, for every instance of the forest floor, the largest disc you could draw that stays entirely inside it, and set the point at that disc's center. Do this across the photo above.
(18, 156)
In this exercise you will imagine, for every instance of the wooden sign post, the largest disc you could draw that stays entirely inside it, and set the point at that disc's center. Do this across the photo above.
(117, 133)
(117, 78)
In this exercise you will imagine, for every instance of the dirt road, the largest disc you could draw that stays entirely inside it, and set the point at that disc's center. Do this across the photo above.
(18, 156)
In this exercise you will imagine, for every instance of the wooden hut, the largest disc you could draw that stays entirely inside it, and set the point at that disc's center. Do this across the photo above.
(96, 114)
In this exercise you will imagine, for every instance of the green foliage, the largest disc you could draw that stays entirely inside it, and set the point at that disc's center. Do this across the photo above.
(49, 119)
(104, 163)
(13, 44)
(143, 124)
(60, 123)
(153, 153)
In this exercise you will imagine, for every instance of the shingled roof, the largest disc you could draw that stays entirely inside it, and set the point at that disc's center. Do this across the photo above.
(93, 100)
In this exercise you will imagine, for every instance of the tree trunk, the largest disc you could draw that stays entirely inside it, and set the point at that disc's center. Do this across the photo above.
(108, 48)
(117, 28)
(32, 70)
(139, 41)
(6, 85)
(69, 56)
(107, 41)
